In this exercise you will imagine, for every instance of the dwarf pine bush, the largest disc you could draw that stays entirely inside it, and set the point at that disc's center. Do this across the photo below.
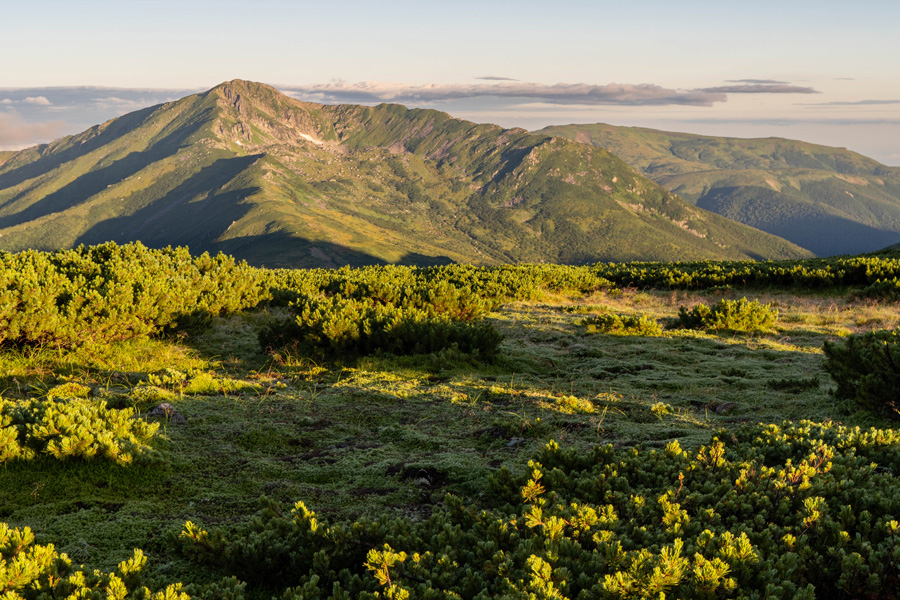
(345, 327)
(882, 289)
(102, 294)
(866, 369)
(71, 429)
(729, 315)
(621, 324)
(30, 571)
(799, 510)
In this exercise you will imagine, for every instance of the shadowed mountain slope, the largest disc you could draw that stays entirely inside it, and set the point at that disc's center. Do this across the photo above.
(244, 169)
(829, 200)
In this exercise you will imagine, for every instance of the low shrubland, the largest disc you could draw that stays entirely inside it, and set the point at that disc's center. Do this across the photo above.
(403, 406)
(103, 294)
(793, 511)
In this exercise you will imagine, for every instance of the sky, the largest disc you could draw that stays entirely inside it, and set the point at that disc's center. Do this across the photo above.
(822, 71)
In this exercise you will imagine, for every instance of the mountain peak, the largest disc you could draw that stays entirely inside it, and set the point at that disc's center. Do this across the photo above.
(245, 169)
(243, 86)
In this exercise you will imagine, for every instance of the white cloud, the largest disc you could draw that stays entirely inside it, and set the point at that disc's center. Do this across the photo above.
(755, 81)
(760, 87)
(627, 94)
(6, 101)
(39, 100)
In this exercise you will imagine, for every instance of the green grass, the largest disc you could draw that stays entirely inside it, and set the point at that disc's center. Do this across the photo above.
(388, 435)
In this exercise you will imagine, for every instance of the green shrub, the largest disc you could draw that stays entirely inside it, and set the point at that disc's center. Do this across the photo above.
(71, 429)
(866, 369)
(882, 289)
(797, 511)
(338, 327)
(621, 324)
(29, 571)
(729, 315)
(102, 294)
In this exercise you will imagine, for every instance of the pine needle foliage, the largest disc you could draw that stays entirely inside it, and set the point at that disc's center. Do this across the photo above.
(102, 294)
(615, 324)
(866, 369)
(71, 429)
(729, 315)
(30, 571)
(801, 510)
(341, 327)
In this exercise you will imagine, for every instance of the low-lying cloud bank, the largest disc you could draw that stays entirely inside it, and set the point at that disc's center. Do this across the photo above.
(622, 94)
(16, 133)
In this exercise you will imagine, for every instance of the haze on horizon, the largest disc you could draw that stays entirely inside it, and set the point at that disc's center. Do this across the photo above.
(815, 71)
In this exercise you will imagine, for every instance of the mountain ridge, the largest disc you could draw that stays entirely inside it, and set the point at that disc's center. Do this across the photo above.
(245, 169)
(829, 200)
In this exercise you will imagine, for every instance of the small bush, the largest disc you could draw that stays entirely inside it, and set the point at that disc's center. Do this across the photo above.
(882, 289)
(866, 369)
(729, 315)
(338, 327)
(71, 429)
(30, 571)
(621, 325)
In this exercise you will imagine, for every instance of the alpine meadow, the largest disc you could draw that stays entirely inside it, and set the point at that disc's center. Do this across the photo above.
(258, 348)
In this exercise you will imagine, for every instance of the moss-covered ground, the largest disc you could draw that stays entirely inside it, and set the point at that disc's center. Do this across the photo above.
(387, 434)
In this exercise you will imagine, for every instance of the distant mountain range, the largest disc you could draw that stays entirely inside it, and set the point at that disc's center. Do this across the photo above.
(828, 200)
(249, 171)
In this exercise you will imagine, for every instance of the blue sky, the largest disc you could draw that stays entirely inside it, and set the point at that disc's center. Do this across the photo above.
(820, 71)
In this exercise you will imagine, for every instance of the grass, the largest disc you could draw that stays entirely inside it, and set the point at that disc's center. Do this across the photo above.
(393, 435)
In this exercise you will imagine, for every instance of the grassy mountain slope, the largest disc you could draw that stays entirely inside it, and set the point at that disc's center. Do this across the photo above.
(829, 200)
(244, 169)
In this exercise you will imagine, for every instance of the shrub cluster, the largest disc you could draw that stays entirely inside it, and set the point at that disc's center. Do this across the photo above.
(71, 429)
(866, 369)
(621, 324)
(729, 315)
(106, 293)
(807, 273)
(345, 327)
(798, 511)
(30, 571)
(882, 289)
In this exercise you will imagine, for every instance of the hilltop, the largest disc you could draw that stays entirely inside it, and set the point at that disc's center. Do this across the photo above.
(246, 170)
(828, 200)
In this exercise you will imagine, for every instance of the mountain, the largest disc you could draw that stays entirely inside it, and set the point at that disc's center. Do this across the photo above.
(246, 170)
(828, 200)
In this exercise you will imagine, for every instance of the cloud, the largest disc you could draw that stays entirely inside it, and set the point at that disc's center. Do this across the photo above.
(39, 100)
(760, 88)
(496, 78)
(6, 101)
(16, 133)
(789, 121)
(754, 81)
(560, 93)
(854, 103)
